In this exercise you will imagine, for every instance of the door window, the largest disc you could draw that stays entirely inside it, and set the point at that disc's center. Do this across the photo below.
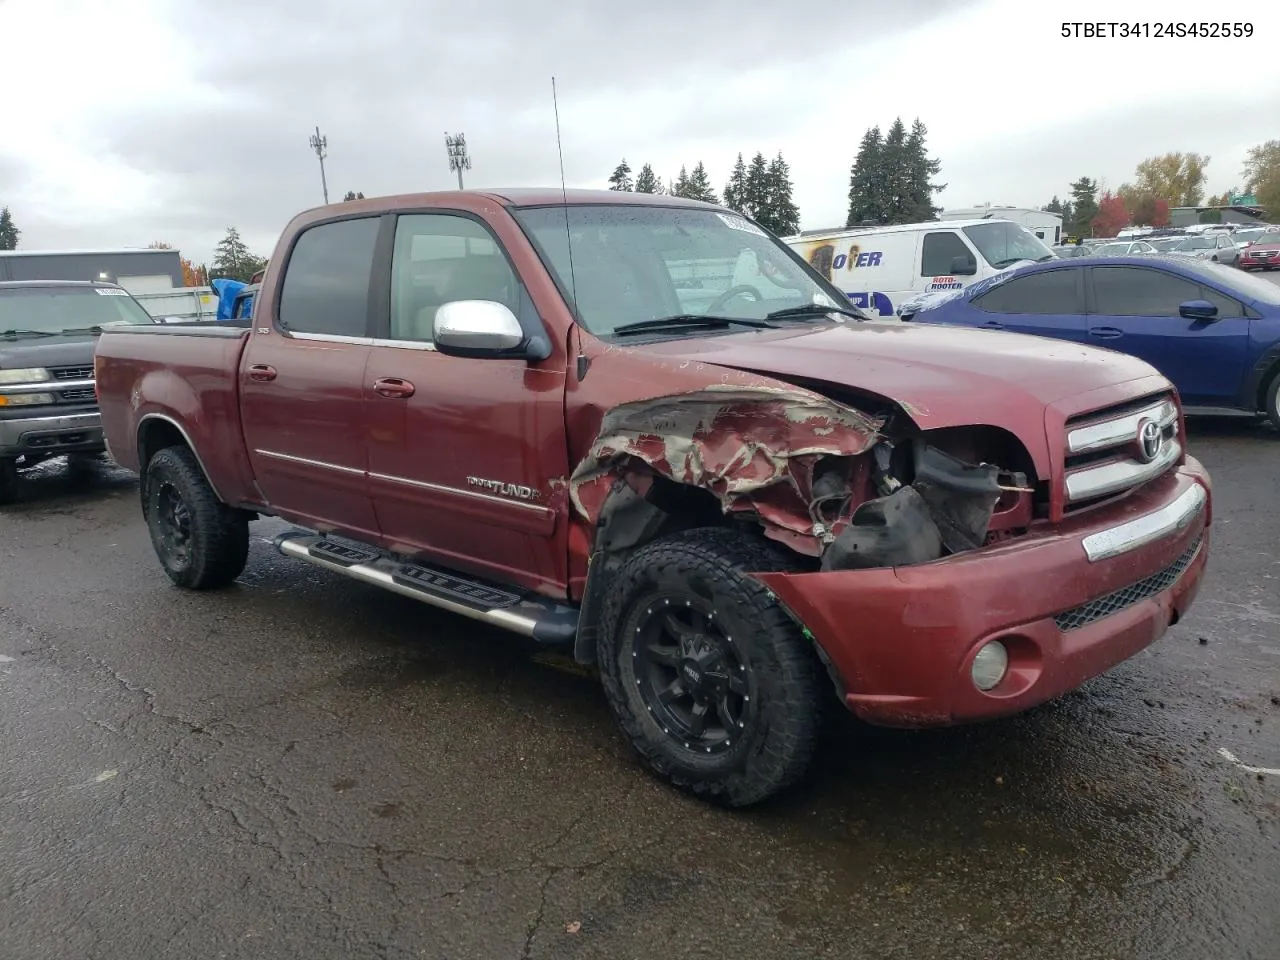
(326, 283)
(440, 258)
(939, 250)
(1047, 292)
(1140, 292)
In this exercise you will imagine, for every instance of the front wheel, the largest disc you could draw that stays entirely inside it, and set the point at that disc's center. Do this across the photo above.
(201, 542)
(714, 684)
(1273, 401)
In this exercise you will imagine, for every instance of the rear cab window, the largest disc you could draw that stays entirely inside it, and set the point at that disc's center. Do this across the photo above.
(327, 280)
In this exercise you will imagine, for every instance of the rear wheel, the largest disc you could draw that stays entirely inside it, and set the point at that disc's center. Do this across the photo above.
(714, 684)
(8, 480)
(200, 541)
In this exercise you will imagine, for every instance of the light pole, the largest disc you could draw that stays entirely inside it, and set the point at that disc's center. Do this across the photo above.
(456, 147)
(321, 146)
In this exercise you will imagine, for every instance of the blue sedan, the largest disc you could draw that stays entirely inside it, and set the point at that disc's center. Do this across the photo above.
(1212, 330)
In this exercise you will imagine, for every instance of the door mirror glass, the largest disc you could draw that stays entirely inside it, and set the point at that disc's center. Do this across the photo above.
(1198, 310)
(478, 328)
(963, 266)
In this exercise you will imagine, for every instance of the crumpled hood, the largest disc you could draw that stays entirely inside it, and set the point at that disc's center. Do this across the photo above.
(69, 351)
(942, 376)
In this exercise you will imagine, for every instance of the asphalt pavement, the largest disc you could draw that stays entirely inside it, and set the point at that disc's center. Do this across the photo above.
(302, 766)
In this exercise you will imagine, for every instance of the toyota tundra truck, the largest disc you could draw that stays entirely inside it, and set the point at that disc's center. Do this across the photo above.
(642, 429)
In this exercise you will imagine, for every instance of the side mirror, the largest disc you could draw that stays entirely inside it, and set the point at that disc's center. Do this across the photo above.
(963, 266)
(478, 328)
(1198, 310)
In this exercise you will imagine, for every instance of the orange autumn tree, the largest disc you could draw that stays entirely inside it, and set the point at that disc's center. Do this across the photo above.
(192, 276)
(1112, 216)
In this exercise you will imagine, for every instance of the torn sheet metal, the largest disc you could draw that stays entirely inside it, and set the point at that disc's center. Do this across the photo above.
(754, 449)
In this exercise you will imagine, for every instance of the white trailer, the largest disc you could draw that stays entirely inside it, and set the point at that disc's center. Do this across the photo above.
(1046, 226)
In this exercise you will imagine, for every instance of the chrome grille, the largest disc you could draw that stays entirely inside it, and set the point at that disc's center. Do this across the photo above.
(72, 373)
(1126, 597)
(1105, 453)
(78, 394)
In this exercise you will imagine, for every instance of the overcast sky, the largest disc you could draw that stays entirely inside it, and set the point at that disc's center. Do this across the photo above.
(144, 120)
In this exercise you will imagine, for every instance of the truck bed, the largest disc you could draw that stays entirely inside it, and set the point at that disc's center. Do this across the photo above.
(189, 377)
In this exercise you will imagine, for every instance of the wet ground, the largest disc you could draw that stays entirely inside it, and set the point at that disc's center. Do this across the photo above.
(305, 767)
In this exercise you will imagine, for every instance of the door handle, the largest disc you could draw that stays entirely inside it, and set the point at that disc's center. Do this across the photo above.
(1106, 333)
(993, 325)
(262, 372)
(393, 388)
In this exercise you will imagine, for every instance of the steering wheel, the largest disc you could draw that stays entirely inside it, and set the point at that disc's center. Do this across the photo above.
(719, 302)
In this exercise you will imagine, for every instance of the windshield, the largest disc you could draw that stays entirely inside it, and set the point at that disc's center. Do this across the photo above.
(1002, 243)
(62, 309)
(635, 263)
(1247, 286)
(1169, 243)
(1246, 236)
(1196, 243)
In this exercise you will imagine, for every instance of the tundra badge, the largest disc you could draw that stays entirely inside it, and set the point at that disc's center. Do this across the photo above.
(519, 491)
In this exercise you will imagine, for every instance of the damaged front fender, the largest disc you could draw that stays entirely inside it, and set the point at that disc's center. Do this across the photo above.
(758, 450)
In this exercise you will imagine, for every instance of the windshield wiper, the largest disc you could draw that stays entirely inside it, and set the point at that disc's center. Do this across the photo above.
(815, 310)
(29, 333)
(1047, 256)
(1001, 264)
(96, 328)
(688, 320)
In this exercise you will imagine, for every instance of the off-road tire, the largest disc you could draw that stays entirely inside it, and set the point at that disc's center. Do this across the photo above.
(8, 481)
(217, 536)
(1273, 400)
(710, 565)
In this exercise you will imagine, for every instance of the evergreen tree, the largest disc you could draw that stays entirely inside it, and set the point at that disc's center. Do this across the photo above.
(352, 195)
(781, 216)
(735, 190)
(9, 232)
(647, 181)
(1084, 203)
(755, 196)
(681, 187)
(621, 177)
(700, 185)
(233, 259)
(865, 186)
(894, 173)
(919, 188)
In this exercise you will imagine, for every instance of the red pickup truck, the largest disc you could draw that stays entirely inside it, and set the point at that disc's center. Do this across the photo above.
(642, 428)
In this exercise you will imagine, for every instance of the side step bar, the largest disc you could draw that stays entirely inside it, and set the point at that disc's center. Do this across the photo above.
(527, 614)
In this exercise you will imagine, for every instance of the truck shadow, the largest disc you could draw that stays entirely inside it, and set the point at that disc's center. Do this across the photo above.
(63, 485)
(1209, 427)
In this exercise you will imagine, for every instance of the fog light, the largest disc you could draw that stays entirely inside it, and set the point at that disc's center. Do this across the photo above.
(990, 665)
(25, 399)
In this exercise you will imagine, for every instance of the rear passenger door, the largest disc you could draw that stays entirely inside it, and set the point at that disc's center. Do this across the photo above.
(302, 382)
(1048, 303)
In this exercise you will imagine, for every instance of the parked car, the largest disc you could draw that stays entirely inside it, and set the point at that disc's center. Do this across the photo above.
(1245, 237)
(47, 404)
(1262, 254)
(1070, 250)
(1123, 248)
(880, 268)
(642, 428)
(1216, 247)
(1212, 330)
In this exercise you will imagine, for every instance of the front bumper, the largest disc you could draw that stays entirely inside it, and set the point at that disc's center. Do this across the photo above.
(900, 642)
(52, 435)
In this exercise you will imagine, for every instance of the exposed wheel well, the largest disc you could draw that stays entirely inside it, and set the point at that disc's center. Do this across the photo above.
(155, 435)
(1264, 385)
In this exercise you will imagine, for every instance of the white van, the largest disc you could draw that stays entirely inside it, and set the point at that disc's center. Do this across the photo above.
(879, 268)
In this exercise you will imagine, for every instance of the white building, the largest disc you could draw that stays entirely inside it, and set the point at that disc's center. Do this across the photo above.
(1046, 226)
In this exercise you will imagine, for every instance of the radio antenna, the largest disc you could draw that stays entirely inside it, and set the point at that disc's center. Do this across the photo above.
(564, 193)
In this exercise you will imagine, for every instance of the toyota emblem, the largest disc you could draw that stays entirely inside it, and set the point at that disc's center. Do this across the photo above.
(1150, 440)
